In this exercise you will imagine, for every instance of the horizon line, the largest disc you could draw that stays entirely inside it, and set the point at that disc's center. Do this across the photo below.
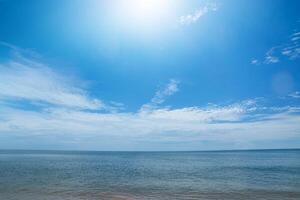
(145, 151)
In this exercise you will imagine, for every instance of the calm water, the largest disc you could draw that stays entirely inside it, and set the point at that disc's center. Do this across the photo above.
(50, 175)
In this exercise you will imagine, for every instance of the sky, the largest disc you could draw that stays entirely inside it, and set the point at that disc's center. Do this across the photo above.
(149, 75)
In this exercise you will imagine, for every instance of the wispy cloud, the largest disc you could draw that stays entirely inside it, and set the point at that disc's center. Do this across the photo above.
(37, 83)
(292, 49)
(200, 12)
(289, 49)
(270, 56)
(295, 95)
(254, 62)
(161, 95)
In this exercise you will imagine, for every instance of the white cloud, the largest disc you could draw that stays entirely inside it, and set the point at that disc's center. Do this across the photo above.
(254, 62)
(170, 89)
(194, 17)
(231, 123)
(35, 82)
(289, 49)
(161, 95)
(295, 95)
(271, 59)
(68, 110)
(270, 56)
(292, 48)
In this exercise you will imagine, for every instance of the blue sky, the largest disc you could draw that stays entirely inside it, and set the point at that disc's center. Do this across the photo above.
(149, 74)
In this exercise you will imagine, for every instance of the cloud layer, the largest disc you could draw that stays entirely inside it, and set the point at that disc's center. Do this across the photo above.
(37, 102)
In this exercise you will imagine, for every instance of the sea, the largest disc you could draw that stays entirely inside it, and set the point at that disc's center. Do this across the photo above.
(91, 175)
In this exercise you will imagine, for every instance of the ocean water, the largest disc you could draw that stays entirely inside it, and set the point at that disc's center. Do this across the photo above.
(62, 175)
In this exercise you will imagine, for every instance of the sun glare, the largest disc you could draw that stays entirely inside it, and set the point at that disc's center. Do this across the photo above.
(143, 14)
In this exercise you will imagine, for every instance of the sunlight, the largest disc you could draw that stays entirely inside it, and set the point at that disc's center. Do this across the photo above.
(143, 13)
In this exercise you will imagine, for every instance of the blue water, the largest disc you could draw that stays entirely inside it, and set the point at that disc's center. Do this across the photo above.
(60, 175)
